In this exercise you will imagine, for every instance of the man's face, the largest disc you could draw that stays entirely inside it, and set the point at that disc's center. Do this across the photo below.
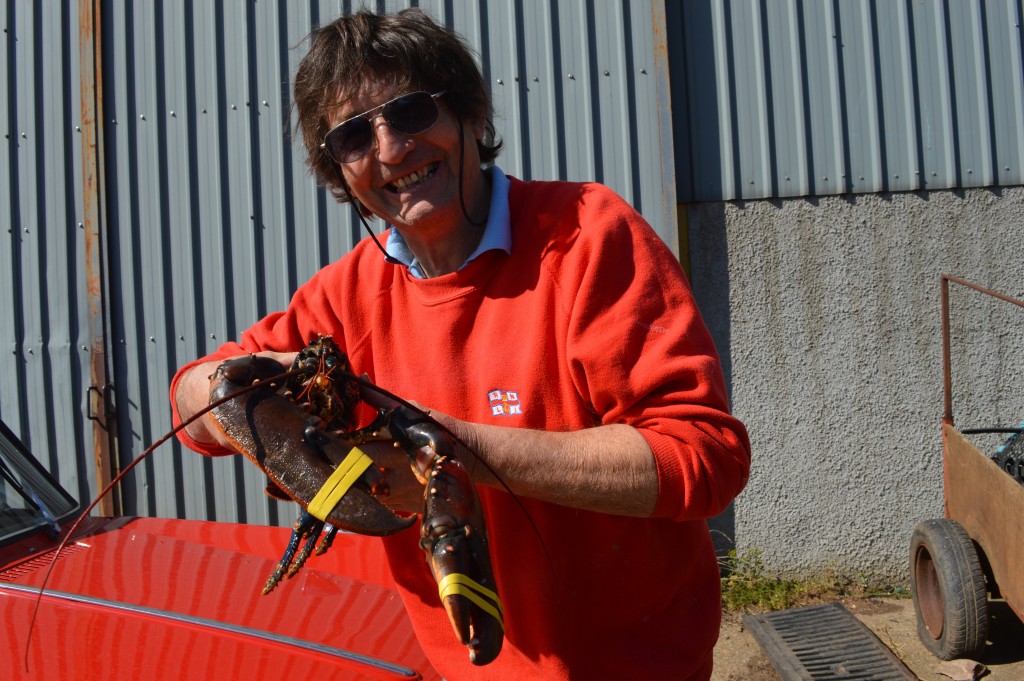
(412, 181)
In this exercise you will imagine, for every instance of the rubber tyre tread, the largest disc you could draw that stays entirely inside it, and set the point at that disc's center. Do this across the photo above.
(961, 582)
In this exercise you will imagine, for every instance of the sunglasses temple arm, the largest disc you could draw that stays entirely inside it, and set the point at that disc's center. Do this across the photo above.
(391, 260)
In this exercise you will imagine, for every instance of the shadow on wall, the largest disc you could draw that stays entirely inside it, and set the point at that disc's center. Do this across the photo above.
(709, 278)
(695, 120)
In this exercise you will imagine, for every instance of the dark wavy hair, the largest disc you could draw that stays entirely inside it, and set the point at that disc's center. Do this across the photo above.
(406, 50)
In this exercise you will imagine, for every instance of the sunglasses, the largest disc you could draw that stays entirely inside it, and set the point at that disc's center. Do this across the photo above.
(409, 114)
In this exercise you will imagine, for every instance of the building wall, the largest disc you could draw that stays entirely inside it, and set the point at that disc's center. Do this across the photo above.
(834, 159)
(44, 266)
(786, 98)
(826, 312)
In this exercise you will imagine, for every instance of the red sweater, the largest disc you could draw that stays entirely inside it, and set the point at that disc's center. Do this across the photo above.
(588, 321)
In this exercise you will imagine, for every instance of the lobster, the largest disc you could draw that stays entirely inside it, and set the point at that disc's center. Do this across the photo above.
(299, 431)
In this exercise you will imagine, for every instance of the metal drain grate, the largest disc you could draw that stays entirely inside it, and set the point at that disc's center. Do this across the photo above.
(824, 642)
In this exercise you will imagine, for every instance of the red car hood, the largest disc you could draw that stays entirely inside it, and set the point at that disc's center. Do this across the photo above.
(148, 598)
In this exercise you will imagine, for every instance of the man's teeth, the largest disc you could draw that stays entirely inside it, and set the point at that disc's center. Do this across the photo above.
(414, 177)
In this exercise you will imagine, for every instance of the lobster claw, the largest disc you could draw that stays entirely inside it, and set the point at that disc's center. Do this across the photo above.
(453, 533)
(455, 540)
(298, 458)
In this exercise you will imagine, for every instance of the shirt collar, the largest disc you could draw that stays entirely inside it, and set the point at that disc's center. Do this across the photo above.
(497, 232)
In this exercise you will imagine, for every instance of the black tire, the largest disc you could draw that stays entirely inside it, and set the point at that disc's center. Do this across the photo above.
(948, 586)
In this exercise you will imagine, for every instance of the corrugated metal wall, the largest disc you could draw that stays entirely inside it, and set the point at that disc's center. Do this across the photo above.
(209, 219)
(44, 360)
(814, 97)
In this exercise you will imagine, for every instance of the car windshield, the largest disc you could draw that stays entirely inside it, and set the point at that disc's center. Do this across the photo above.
(30, 500)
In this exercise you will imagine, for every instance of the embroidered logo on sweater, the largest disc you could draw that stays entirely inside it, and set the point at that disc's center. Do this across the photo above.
(504, 402)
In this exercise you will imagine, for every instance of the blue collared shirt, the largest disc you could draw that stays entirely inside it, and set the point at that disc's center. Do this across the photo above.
(497, 232)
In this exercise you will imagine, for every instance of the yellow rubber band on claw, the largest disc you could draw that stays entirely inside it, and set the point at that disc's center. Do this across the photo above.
(343, 477)
(457, 584)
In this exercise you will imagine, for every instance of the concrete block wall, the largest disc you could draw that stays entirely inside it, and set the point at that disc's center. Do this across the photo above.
(826, 313)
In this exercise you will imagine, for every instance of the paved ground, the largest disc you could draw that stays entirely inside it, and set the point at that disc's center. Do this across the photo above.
(738, 657)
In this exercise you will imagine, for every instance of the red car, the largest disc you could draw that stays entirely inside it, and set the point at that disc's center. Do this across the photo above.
(149, 598)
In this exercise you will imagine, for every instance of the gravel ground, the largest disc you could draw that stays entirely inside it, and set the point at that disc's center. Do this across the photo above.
(738, 656)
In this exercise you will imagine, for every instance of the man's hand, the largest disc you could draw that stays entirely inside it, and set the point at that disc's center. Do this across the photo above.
(193, 395)
(406, 492)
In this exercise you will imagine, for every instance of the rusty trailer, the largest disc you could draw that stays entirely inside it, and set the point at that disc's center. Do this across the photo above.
(977, 550)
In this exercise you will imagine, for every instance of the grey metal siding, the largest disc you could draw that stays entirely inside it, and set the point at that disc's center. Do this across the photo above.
(814, 97)
(44, 366)
(576, 90)
(210, 219)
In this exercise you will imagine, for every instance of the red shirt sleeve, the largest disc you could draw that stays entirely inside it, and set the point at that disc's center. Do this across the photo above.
(643, 356)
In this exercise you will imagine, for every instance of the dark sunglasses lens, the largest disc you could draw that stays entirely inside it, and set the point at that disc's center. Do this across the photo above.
(412, 113)
(349, 141)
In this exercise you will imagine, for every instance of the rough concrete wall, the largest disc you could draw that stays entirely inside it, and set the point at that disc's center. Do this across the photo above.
(826, 313)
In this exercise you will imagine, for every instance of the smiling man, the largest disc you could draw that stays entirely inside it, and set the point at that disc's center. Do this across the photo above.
(545, 324)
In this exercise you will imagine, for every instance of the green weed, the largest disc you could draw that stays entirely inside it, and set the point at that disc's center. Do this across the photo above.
(746, 586)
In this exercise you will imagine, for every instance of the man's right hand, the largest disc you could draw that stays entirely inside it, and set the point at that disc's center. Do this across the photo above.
(193, 395)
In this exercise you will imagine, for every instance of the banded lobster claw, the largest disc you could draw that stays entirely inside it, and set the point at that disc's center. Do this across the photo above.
(455, 540)
(453, 534)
